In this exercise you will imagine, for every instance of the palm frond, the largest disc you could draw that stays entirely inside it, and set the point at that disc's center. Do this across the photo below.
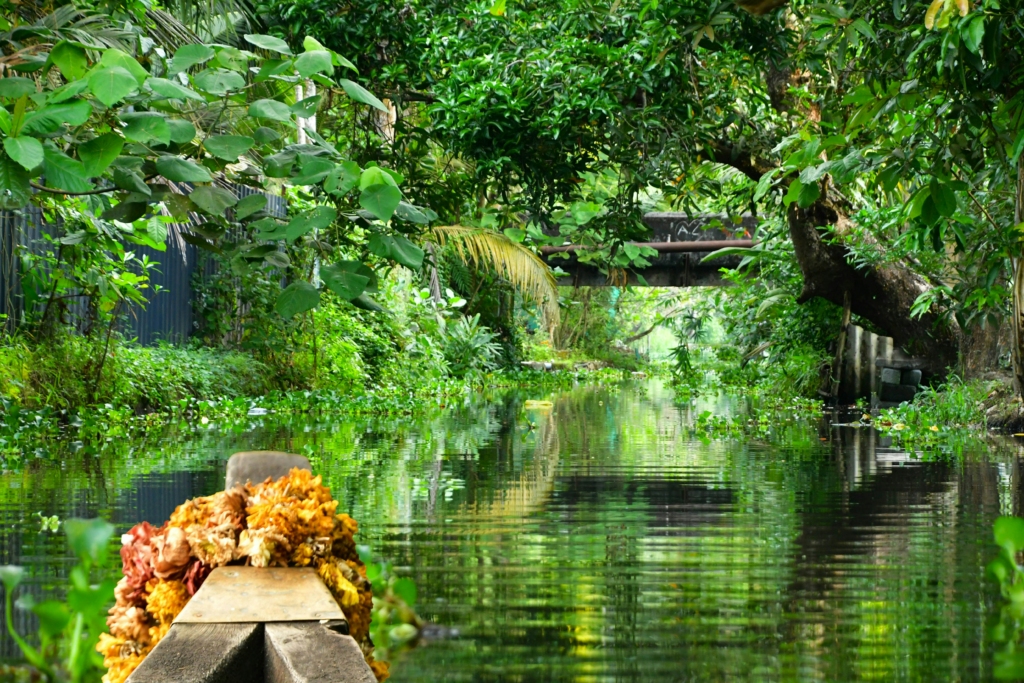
(523, 269)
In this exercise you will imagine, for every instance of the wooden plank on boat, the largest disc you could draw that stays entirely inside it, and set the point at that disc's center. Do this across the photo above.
(312, 653)
(260, 594)
(205, 653)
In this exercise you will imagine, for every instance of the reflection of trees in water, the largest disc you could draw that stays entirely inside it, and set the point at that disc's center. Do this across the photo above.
(881, 555)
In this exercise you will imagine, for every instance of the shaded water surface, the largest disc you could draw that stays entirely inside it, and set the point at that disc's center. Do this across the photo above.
(599, 540)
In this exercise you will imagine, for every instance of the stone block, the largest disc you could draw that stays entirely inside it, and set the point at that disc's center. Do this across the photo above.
(911, 378)
(890, 376)
(256, 466)
(897, 393)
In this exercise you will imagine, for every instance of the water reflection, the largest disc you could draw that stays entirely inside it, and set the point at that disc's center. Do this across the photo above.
(600, 540)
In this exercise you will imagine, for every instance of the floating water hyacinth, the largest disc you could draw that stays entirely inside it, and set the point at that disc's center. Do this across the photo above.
(291, 522)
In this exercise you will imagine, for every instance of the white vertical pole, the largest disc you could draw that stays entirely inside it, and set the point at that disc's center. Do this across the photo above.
(301, 136)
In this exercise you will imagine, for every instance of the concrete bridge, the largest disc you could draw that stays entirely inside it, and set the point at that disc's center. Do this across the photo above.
(682, 242)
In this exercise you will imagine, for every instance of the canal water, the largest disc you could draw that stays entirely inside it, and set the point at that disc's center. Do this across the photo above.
(599, 537)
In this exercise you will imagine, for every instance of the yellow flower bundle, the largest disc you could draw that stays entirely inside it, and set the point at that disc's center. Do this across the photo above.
(291, 522)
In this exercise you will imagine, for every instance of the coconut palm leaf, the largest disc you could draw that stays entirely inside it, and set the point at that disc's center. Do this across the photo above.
(511, 260)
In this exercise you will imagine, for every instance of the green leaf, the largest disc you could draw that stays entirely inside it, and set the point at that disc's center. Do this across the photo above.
(317, 219)
(405, 588)
(50, 118)
(62, 172)
(317, 61)
(268, 43)
(311, 44)
(515, 234)
(265, 135)
(313, 172)
(16, 86)
(88, 538)
(307, 107)
(181, 170)
(1009, 534)
(188, 56)
(973, 33)
(298, 297)
(277, 258)
(113, 84)
(11, 575)
(375, 175)
(218, 81)
(114, 58)
(413, 214)
(361, 94)
(397, 248)
(182, 131)
(380, 200)
(156, 231)
(70, 59)
(97, 154)
(25, 150)
(53, 617)
(247, 206)
(944, 198)
(228, 147)
(808, 195)
(130, 180)
(213, 200)
(147, 126)
(498, 8)
(342, 279)
(15, 192)
(270, 109)
(364, 302)
(345, 176)
(171, 90)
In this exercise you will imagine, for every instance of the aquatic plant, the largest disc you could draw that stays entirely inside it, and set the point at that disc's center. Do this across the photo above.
(68, 629)
(1009, 626)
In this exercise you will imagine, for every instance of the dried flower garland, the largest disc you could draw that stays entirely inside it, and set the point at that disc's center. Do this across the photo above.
(290, 522)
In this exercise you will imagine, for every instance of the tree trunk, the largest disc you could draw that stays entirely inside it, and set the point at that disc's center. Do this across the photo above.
(882, 294)
(1018, 287)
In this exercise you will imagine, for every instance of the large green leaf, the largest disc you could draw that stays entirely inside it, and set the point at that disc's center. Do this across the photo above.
(172, 90)
(397, 248)
(182, 170)
(366, 303)
(307, 107)
(1009, 534)
(62, 172)
(188, 56)
(14, 87)
(113, 84)
(130, 180)
(97, 154)
(298, 297)
(213, 200)
(25, 150)
(70, 59)
(11, 576)
(88, 538)
(344, 177)
(228, 147)
(147, 127)
(116, 58)
(53, 617)
(380, 200)
(50, 118)
(342, 279)
(361, 94)
(413, 214)
(313, 172)
(317, 219)
(247, 206)
(15, 192)
(944, 198)
(317, 61)
(268, 43)
(219, 81)
(182, 131)
(270, 109)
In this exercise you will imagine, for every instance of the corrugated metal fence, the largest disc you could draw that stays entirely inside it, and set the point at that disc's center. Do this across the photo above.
(168, 315)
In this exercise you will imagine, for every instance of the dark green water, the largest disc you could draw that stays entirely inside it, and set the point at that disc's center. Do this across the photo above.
(597, 540)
